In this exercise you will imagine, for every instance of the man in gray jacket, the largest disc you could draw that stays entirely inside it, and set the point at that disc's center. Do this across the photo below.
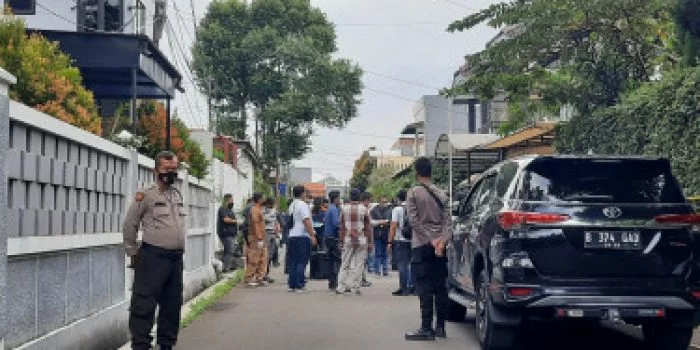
(429, 217)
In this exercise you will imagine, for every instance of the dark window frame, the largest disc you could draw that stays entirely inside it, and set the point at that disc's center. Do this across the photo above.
(30, 12)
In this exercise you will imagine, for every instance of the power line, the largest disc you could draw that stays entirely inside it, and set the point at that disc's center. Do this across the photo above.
(409, 82)
(379, 25)
(194, 116)
(452, 2)
(414, 100)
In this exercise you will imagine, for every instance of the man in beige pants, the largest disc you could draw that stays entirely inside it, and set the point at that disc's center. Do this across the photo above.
(356, 241)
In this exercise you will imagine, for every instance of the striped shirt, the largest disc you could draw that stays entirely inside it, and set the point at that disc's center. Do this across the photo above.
(355, 220)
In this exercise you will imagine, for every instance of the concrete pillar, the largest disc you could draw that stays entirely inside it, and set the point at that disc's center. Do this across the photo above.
(132, 181)
(471, 112)
(6, 79)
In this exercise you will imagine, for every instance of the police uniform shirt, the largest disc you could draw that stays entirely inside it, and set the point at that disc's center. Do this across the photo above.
(161, 214)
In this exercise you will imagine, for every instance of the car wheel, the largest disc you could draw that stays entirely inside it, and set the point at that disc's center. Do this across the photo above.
(491, 336)
(665, 336)
(457, 312)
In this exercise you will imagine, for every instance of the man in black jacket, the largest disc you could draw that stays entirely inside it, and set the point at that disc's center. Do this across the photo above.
(380, 218)
(227, 230)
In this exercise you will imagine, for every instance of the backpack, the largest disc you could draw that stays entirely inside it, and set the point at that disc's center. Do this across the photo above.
(289, 224)
(406, 229)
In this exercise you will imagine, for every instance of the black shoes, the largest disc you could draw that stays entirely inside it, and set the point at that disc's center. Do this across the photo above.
(423, 334)
(398, 293)
(366, 284)
(440, 332)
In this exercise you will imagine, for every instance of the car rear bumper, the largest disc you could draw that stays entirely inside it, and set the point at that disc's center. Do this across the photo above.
(667, 302)
(604, 304)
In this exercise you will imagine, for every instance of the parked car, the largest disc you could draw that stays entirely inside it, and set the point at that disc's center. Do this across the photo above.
(561, 238)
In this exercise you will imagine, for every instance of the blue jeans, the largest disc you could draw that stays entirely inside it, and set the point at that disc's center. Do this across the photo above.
(402, 256)
(299, 249)
(380, 257)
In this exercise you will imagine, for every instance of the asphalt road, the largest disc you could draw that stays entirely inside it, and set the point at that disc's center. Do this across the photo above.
(275, 319)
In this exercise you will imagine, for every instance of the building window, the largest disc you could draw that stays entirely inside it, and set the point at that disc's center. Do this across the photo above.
(101, 15)
(22, 7)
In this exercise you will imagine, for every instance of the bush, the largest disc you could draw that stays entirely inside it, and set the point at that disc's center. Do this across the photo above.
(659, 119)
(46, 80)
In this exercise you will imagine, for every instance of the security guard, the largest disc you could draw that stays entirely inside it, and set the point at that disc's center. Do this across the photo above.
(157, 261)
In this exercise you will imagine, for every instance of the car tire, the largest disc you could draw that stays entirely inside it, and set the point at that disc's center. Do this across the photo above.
(490, 335)
(456, 312)
(666, 337)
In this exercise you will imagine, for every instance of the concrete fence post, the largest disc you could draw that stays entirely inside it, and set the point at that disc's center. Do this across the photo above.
(6, 79)
(132, 182)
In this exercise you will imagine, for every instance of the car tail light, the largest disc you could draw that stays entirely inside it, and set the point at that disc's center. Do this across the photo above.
(695, 294)
(687, 219)
(510, 219)
(519, 292)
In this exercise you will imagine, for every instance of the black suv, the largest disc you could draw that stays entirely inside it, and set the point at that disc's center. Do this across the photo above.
(557, 238)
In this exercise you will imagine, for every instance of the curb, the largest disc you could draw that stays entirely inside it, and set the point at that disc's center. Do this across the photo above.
(187, 307)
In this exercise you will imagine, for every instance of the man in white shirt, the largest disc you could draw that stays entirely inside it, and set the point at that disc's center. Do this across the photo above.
(301, 237)
(400, 246)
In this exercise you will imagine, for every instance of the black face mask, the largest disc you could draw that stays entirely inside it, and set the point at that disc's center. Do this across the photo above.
(168, 178)
(230, 205)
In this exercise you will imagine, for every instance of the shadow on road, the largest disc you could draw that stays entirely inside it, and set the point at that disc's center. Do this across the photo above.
(604, 336)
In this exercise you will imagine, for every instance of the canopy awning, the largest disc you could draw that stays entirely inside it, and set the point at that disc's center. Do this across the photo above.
(540, 131)
(413, 128)
(109, 62)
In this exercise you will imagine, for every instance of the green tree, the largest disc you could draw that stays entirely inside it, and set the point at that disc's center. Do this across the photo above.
(381, 182)
(659, 119)
(362, 170)
(688, 33)
(275, 55)
(585, 53)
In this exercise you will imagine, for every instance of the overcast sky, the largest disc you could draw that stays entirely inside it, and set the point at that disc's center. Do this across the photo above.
(393, 41)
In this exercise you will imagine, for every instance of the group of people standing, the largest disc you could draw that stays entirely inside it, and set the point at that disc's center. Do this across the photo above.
(262, 230)
(413, 232)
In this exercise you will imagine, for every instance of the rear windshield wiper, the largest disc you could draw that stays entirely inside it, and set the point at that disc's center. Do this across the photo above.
(589, 197)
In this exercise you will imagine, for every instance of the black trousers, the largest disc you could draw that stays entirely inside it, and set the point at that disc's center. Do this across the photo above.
(430, 276)
(157, 282)
(332, 245)
(229, 243)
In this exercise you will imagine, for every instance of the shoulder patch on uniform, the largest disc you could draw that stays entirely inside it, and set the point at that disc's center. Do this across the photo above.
(139, 196)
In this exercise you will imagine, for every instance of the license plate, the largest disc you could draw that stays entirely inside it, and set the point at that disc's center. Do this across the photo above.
(622, 240)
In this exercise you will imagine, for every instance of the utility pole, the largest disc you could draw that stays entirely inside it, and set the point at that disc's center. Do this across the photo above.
(450, 102)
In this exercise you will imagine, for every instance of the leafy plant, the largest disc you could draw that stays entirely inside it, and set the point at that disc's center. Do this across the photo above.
(362, 170)
(46, 78)
(583, 53)
(659, 119)
(152, 125)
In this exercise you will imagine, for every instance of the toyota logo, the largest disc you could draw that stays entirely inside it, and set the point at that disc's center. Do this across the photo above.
(612, 212)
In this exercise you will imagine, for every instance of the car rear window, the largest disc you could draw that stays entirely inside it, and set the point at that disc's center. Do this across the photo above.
(600, 181)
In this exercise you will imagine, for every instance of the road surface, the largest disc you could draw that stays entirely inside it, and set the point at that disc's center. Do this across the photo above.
(275, 319)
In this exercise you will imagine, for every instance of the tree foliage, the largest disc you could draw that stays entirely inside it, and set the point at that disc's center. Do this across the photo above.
(152, 125)
(688, 33)
(362, 171)
(46, 78)
(275, 55)
(584, 53)
(659, 119)
(382, 184)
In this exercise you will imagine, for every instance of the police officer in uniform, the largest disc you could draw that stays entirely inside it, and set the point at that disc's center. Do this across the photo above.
(158, 260)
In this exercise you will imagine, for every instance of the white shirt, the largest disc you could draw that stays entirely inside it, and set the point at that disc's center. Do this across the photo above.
(397, 216)
(299, 211)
